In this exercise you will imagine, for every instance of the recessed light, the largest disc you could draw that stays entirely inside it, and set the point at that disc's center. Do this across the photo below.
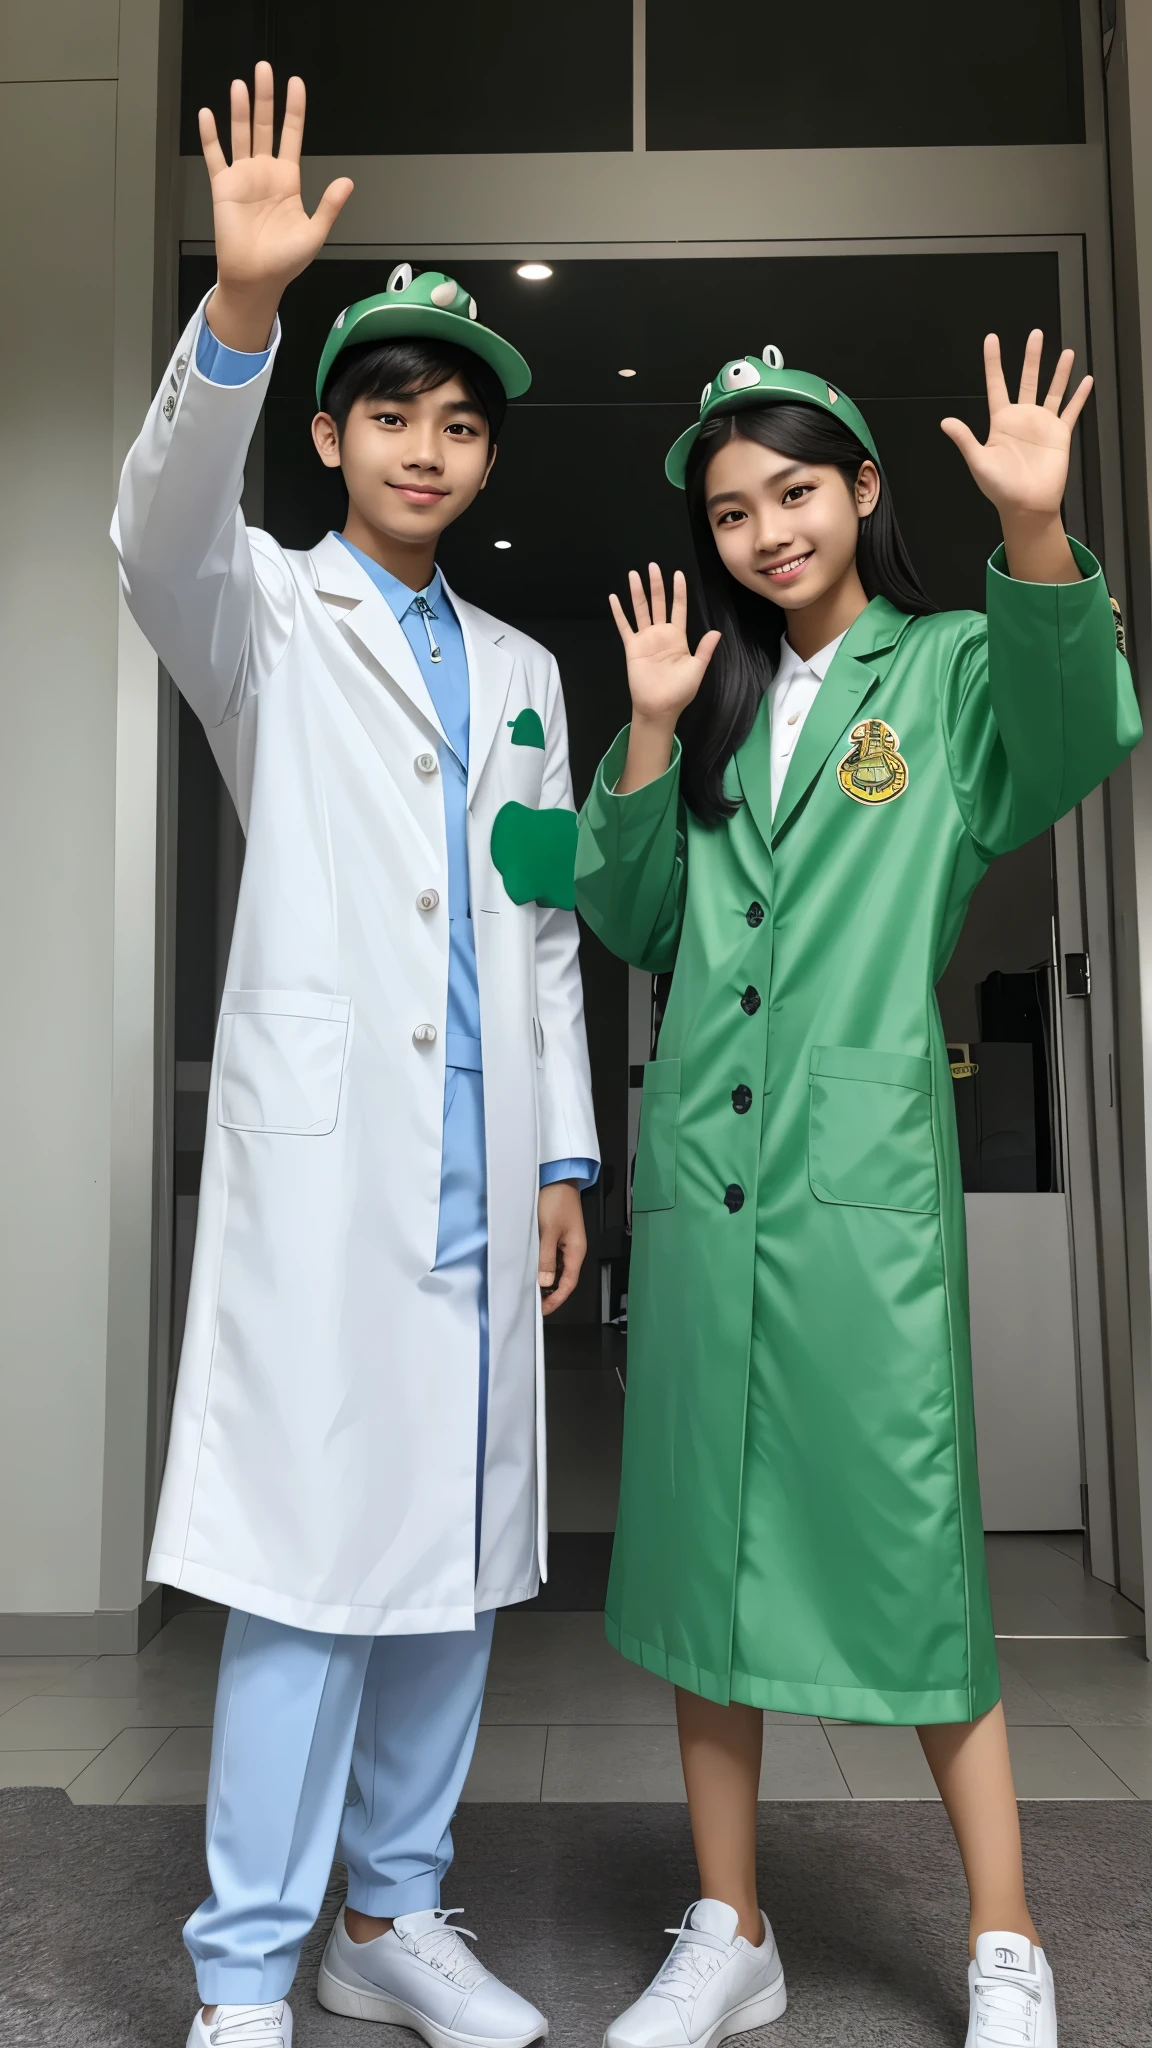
(534, 272)
(625, 373)
(501, 543)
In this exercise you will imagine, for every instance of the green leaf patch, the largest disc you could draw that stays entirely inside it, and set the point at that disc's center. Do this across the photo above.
(535, 852)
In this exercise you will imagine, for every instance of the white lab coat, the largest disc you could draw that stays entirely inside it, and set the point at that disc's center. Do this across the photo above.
(322, 1463)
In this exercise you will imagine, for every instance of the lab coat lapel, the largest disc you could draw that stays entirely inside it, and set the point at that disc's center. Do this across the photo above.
(489, 678)
(859, 663)
(753, 766)
(344, 584)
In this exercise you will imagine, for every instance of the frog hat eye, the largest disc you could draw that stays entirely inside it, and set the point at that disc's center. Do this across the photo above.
(706, 394)
(400, 278)
(739, 376)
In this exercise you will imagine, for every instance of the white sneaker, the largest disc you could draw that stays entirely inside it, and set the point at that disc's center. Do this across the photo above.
(244, 2026)
(1013, 1999)
(422, 1976)
(714, 1984)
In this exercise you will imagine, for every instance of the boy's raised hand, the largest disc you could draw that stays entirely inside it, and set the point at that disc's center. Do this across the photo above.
(264, 236)
(663, 673)
(1023, 465)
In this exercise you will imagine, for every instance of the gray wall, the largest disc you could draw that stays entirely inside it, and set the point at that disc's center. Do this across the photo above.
(78, 753)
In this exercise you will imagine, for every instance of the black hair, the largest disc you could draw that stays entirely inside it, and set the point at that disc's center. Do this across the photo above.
(720, 719)
(404, 369)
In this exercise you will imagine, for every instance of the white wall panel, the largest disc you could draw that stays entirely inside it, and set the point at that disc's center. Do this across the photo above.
(58, 39)
(1024, 1361)
(57, 799)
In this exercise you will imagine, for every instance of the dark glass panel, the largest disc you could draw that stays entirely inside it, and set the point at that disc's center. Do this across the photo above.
(842, 75)
(396, 80)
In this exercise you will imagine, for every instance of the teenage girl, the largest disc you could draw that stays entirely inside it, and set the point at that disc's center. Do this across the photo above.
(800, 1524)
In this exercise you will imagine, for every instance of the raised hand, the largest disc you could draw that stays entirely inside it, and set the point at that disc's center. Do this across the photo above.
(264, 236)
(1023, 465)
(663, 673)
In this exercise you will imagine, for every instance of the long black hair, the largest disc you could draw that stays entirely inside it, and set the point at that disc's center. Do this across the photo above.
(720, 719)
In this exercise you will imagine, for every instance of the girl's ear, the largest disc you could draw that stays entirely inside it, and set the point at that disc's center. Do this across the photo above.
(867, 491)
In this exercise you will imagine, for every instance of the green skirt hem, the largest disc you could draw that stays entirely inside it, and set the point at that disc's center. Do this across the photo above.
(790, 1696)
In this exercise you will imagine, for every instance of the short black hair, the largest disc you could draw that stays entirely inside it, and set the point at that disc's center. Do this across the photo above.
(405, 368)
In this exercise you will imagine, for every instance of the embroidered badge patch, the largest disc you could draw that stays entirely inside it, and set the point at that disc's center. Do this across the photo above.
(873, 770)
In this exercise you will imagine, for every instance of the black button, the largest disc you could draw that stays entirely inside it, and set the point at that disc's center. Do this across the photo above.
(750, 1001)
(755, 913)
(733, 1198)
(742, 1099)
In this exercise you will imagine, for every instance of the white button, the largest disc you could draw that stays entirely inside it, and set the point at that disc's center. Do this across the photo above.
(427, 899)
(424, 1034)
(794, 717)
(426, 764)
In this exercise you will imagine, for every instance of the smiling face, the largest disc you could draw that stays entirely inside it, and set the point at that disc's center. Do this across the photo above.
(412, 464)
(786, 529)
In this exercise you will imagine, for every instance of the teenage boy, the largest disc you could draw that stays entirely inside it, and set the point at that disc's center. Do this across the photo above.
(400, 1118)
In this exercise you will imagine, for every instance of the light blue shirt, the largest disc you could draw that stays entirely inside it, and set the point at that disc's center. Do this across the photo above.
(437, 627)
(429, 625)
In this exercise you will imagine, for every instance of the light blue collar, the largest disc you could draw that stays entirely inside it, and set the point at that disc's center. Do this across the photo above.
(399, 596)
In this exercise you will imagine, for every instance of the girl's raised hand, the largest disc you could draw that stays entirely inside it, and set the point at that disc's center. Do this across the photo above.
(1023, 465)
(663, 673)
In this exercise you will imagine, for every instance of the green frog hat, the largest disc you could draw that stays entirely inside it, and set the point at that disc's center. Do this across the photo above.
(430, 305)
(759, 380)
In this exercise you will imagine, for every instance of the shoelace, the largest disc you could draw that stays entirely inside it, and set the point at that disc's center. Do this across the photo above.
(427, 614)
(442, 1948)
(696, 1957)
(237, 2023)
(1005, 2012)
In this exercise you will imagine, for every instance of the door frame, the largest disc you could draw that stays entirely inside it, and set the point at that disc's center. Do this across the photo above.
(1050, 198)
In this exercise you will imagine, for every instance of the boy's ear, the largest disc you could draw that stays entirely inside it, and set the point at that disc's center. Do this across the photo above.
(326, 439)
(491, 460)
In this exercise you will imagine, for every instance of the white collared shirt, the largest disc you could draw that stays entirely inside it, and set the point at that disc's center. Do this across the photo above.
(791, 695)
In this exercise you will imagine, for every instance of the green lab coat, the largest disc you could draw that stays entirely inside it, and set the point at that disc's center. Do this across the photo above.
(800, 1523)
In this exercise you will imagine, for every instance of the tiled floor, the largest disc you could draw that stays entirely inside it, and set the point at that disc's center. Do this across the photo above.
(567, 1719)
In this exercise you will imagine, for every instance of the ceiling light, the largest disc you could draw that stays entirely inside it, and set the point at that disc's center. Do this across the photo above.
(534, 272)
(501, 543)
(625, 373)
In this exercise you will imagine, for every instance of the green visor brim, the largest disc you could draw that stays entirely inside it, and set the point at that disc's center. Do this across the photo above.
(430, 323)
(676, 460)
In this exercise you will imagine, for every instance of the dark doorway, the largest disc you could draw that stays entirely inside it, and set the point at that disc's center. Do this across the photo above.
(580, 494)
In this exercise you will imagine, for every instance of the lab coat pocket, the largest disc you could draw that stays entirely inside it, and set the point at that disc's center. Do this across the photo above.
(870, 1138)
(654, 1182)
(281, 1061)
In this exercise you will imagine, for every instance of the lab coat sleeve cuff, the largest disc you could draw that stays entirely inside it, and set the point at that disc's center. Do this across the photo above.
(639, 805)
(630, 868)
(218, 364)
(1060, 690)
(1085, 560)
(586, 1171)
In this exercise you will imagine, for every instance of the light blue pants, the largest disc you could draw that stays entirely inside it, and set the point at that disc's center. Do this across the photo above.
(296, 1713)
(299, 1714)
